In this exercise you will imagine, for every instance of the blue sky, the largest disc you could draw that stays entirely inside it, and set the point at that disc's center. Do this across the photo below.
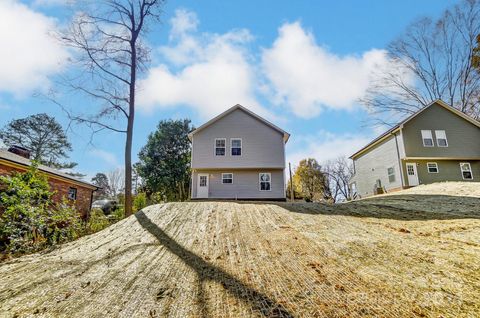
(301, 64)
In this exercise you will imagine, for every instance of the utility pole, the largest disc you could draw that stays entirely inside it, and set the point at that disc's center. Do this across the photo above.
(292, 195)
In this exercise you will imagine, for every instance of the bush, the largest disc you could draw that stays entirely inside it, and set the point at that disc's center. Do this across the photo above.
(24, 203)
(30, 221)
(97, 221)
(64, 224)
(140, 201)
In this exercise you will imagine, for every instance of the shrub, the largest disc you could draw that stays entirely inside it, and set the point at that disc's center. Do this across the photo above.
(157, 198)
(24, 202)
(97, 221)
(30, 221)
(117, 214)
(140, 201)
(63, 224)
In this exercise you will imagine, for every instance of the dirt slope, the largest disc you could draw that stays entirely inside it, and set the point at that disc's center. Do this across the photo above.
(410, 254)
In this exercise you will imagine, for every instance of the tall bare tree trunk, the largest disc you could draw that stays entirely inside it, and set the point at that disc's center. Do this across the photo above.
(106, 37)
(131, 117)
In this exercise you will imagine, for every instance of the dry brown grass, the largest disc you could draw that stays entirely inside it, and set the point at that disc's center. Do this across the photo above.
(411, 254)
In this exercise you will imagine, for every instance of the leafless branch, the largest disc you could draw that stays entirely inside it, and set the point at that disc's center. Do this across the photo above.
(431, 60)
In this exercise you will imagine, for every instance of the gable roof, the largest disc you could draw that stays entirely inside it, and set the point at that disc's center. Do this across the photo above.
(286, 135)
(398, 126)
(8, 156)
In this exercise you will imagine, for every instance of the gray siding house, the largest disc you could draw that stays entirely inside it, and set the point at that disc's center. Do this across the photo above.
(438, 143)
(238, 155)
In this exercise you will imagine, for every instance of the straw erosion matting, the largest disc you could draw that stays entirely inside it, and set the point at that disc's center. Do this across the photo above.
(415, 253)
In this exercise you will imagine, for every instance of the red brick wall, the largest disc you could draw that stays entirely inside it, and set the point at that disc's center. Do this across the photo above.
(61, 188)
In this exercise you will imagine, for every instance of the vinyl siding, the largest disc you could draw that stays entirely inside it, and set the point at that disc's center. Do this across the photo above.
(262, 146)
(373, 165)
(462, 136)
(245, 184)
(448, 170)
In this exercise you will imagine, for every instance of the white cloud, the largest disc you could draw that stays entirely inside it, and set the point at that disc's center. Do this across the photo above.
(325, 146)
(53, 2)
(29, 54)
(306, 77)
(183, 22)
(106, 156)
(213, 71)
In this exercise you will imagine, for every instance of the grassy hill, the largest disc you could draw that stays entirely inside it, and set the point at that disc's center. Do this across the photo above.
(413, 253)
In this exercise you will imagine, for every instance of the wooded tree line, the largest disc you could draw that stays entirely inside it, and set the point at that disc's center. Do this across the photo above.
(328, 183)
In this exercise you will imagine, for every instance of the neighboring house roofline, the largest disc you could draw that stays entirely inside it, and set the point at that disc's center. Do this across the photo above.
(10, 159)
(399, 126)
(286, 135)
(442, 158)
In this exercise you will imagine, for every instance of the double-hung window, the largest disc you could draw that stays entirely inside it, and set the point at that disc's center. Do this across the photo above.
(441, 138)
(391, 174)
(220, 146)
(236, 146)
(72, 193)
(227, 178)
(466, 171)
(427, 138)
(432, 167)
(265, 179)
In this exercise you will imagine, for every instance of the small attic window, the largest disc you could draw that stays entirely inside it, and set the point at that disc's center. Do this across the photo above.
(427, 138)
(441, 138)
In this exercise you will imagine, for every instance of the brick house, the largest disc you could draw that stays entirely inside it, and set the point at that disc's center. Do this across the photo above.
(64, 185)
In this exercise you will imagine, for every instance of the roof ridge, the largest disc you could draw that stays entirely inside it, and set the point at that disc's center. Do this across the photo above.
(12, 157)
(286, 135)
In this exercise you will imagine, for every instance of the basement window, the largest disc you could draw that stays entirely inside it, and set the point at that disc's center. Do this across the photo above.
(265, 181)
(391, 174)
(227, 178)
(220, 146)
(466, 171)
(72, 193)
(432, 167)
(427, 138)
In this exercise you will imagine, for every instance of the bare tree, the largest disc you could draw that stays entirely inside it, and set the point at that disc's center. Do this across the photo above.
(106, 37)
(116, 184)
(339, 172)
(431, 60)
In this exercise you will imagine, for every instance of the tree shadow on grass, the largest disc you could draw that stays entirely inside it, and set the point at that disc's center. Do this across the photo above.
(259, 302)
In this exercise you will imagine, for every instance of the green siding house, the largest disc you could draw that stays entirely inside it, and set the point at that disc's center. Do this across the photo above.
(438, 143)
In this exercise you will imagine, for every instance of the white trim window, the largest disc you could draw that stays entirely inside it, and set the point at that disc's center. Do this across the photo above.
(236, 146)
(72, 193)
(391, 174)
(227, 178)
(466, 170)
(220, 146)
(427, 138)
(432, 167)
(265, 180)
(441, 138)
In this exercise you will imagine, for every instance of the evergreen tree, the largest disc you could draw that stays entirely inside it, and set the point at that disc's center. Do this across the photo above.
(43, 136)
(164, 164)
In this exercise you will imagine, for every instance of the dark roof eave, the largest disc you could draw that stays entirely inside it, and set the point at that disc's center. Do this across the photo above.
(53, 173)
